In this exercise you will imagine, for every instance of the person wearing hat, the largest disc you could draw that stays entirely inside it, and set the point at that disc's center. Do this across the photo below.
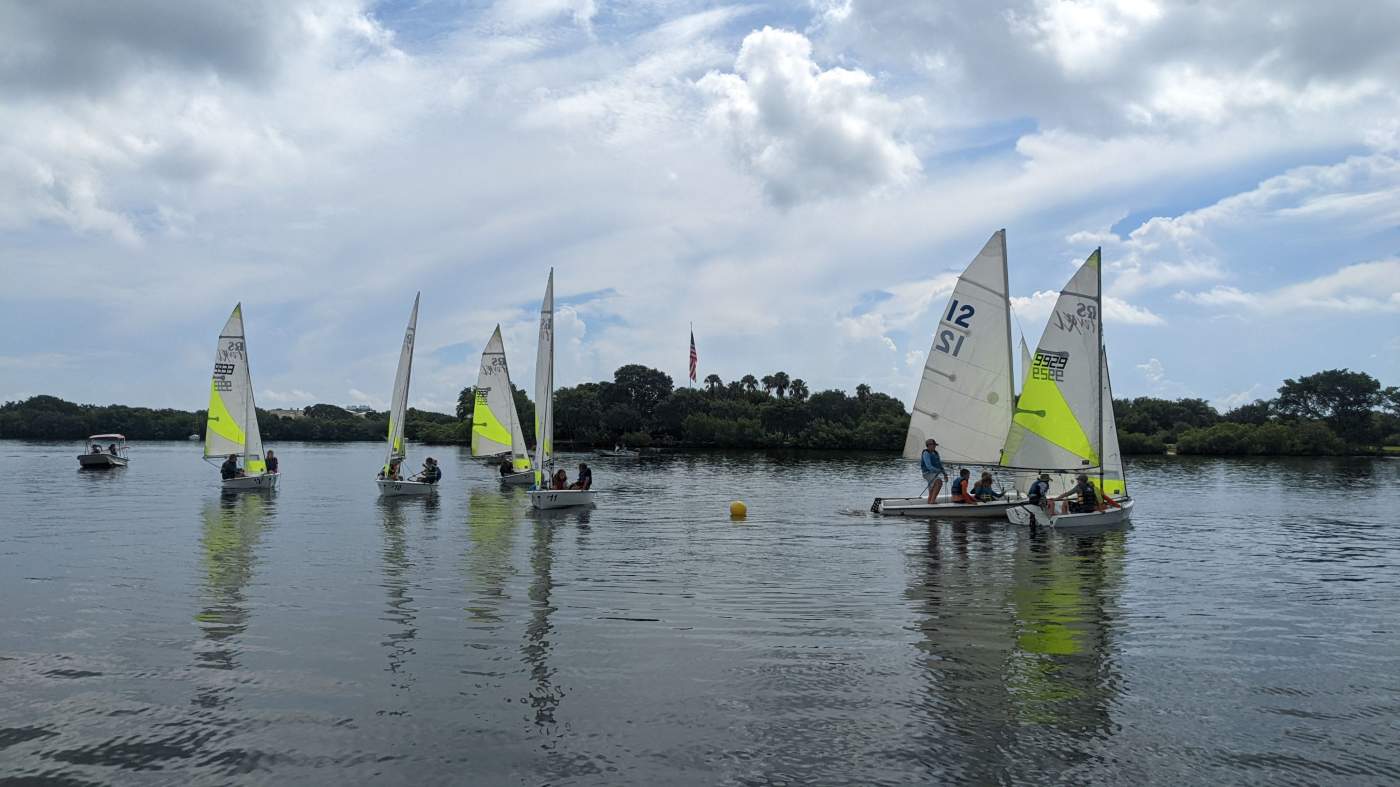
(931, 464)
(1039, 491)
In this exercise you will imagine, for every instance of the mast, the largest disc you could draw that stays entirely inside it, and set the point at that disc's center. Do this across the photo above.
(1098, 296)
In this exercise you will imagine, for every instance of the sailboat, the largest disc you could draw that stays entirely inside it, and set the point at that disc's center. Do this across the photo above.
(491, 435)
(394, 452)
(541, 496)
(965, 395)
(232, 428)
(1064, 421)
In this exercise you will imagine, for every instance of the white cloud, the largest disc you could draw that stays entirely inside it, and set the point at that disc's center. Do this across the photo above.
(1153, 370)
(294, 396)
(1230, 401)
(1364, 287)
(807, 133)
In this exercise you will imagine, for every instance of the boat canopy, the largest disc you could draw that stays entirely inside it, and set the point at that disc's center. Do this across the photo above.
(107, 437)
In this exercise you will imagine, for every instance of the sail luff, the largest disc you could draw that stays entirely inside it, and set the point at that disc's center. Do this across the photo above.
(965, 392)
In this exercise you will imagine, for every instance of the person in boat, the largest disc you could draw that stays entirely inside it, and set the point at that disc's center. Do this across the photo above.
(230, 469)
(983, 490)
(1084, 499)
(392, 474)
(960, 491)
(431, 473)
(561, 479)
(271, 462)
(112, 449)
(1039, 491)
(931, 464)
(506, 469)
(96, 449)
(585, 477)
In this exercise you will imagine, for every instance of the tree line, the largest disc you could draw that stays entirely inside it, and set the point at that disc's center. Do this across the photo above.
(1331, 412)
(1337, 411)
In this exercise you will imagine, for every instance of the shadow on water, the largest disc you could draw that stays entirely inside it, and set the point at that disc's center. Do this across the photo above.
(233, 526)
(1020, 675)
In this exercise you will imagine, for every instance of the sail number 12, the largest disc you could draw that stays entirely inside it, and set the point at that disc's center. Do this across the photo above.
(951, 342)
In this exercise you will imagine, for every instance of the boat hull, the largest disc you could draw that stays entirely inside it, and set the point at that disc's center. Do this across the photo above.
(252, 483)
(96, 461)
(404, 488)
(944, 508)
(526, 478)
(561, 498)
(1029, 514)
(619, 454)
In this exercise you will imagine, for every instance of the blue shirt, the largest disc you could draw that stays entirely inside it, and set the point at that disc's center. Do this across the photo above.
(931, 462)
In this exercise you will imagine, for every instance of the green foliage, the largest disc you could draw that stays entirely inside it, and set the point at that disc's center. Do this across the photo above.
(1308, 438)
(1164, 419)
(1342, 398)
(1134, 443)
(1257, 412)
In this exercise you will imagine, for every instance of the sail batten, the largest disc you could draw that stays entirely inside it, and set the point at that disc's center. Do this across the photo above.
(965, 392)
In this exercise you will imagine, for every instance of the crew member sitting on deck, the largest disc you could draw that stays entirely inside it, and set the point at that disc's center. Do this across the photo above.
(431, 473)
(1086, 498)
(112, 449)
(983, 490)
(229, 469)
(271, 462)
(561, 479)
(585, 477)
(505, 467)
(960, 490)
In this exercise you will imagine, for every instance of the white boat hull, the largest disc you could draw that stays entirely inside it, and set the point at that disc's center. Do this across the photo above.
(404, 488)
(252, 483)
(101, 460)
(526, 478)
(561, 498)
(944, 508)
(623, 454)
(1029, 514)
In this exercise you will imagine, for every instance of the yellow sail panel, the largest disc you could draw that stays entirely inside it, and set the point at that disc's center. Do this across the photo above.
(521, 464)
(1043, 411)
(255, 467)
(1113, 487)
(487, 426)
(221, 421)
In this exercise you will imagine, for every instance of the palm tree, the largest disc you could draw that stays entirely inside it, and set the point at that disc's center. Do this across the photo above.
(713, 383)
(768, 384)
(798, 390)
(749, 382)
(781, 382)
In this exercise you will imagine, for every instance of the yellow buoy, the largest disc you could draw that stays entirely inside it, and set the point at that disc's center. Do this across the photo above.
(737, 510)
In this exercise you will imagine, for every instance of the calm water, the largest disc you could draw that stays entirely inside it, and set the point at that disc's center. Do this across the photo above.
(1244, 630)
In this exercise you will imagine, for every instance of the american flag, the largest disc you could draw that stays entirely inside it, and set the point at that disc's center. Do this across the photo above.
(694, 357)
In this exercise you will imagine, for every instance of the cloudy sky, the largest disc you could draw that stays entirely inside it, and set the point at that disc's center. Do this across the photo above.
(797, 179)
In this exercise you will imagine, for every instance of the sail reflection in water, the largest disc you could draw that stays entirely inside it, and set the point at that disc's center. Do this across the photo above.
(1021, 676)
(491, 525)
(232, 527)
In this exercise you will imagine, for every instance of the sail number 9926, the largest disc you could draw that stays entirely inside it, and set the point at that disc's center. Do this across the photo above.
(950, 341)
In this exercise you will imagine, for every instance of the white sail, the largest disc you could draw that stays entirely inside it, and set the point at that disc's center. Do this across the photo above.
(495, 420)
(1056, 425)
(965, 395)
(398, 404)
(232, 426)
(1114, 482)
(544, 386)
